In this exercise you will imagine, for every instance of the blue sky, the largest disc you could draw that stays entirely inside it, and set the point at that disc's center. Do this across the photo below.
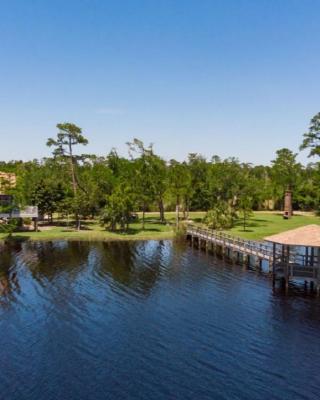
(234, 78)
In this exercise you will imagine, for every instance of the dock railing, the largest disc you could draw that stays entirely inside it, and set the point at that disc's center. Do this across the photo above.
(250, 247)
(295, 264)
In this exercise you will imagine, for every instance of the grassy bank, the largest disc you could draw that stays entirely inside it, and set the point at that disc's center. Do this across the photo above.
(260, 225)
(92, 231)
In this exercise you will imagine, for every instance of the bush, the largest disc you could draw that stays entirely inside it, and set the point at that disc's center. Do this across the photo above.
(8, 227)
(118, 210)
(220, 217)
(27, 221)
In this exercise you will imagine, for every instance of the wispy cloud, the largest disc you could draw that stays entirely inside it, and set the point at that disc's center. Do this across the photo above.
(110, 111)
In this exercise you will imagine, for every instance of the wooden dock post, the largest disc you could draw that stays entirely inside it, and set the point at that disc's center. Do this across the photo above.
(235, 257)
(258, 263)
(273, 264)
(318, 272)
(245, 260)
(312, 286)
(286, 284)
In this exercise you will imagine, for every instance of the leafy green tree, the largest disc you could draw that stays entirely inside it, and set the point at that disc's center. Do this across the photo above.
(264, 190)
(69, 135)
(248, 187)
(47, 195)
(199, 195)
(97, 181)
(143, 177)
(285, 171)
(118, 209)
(159, 172)
(179, 184)
(311, 139)
(224, 179)
(245, 208)
(220, 217)
(9, 227)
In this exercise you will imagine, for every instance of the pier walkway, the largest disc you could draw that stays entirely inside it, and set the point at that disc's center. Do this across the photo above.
(297, 262)
(211, 238)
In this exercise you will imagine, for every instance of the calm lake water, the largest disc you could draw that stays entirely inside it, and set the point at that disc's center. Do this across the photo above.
(149, 320)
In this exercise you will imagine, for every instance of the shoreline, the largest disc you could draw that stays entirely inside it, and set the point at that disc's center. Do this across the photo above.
(260, 225)
(86, 237)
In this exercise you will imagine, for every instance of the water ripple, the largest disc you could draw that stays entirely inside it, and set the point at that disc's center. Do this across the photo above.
(149, 320)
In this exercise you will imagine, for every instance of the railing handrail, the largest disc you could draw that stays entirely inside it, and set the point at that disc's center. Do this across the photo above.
(236, 240)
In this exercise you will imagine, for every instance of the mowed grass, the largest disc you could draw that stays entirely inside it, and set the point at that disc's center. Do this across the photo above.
(93, 231)
(260, 225)
(266, 224)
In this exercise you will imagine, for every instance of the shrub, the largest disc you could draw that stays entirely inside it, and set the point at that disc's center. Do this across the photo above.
(220, 217)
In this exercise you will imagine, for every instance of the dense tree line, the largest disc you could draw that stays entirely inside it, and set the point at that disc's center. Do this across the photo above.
(113, 188)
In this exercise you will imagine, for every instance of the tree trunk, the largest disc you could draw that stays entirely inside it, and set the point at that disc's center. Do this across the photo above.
(143, 216)
(177, 212)
(74, 181)
(187, 209)
(73, 175)
(161, 211)
(112, 226)
(78, 222)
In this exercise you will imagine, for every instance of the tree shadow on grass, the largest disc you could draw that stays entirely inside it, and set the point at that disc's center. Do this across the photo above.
(67, 224)
(253, 223)
(133, 231)
(197, 219)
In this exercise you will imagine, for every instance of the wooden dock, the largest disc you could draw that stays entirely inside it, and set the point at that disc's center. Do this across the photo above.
(283, 266)
(230, 245)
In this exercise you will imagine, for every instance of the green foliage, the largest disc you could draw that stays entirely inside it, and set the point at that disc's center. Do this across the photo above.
(220, 217)
(245, 210)
(84, 186)
(198, 197)
(285, 169)
(245, 198)
(149, 177)
(8, 227)
(68, 136)
(47, 195)
(179, 185)
(118, 209)
(6, 208)
(311, 139)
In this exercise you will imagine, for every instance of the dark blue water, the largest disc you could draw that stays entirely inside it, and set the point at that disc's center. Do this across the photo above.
(149, 320)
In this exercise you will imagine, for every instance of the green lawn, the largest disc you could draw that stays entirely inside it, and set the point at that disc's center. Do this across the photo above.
(260, 225)
(265, 224)
(93, 231)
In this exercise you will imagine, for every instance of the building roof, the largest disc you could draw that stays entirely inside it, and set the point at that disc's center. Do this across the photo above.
(306, 236)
